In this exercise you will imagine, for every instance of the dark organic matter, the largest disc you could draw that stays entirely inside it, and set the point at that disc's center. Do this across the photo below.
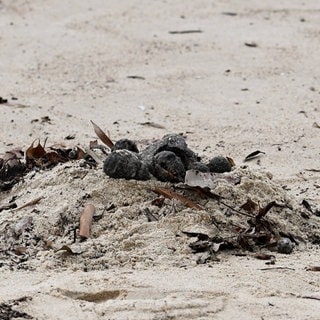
(167, 166)
(219, 164)
(125, 144)
(125, 164)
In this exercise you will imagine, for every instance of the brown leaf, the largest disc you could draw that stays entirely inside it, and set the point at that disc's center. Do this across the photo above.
(253, 155)
(173, 195)
(307, 205)
(251, 44)
(69, 250)
(102, 136)
(263, 256)
(231, 161)
(158, 202)
(250, 206)
(36, 152)
(86, 221)
(52, 158)
(206, 192)
(264, 211)
(314, 297)
(152, 124)
(20, 250)
(313, 268)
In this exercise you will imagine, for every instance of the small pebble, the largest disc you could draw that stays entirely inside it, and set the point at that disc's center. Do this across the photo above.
(285, 245)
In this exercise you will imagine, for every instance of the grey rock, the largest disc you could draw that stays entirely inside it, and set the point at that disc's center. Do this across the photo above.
(285, 245)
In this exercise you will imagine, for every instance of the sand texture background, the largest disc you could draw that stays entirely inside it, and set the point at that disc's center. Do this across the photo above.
(247, 80)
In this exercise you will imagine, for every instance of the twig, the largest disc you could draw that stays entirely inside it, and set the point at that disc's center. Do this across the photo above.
(277, 268)
(86, 221)
(30, 203)
(185, 31)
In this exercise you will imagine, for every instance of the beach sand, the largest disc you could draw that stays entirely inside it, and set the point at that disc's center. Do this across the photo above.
(232, 76)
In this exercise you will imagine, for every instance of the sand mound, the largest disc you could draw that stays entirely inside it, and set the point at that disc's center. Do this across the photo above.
(133, 226)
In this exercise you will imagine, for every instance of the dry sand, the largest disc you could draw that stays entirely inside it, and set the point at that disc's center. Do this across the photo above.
(72, 61)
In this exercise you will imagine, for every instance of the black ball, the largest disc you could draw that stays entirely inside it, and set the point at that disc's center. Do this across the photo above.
(167, 166)
(125, 144)
(125, 164)
(219, 164)
(199, 166)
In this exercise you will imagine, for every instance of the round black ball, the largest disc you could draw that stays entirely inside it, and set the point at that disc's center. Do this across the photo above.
(125, 164)
(219, 164)
(167, 166)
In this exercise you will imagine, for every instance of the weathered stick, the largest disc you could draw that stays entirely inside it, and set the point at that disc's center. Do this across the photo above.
(86, 221)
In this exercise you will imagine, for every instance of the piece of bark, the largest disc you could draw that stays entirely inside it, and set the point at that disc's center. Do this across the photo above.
(86, 221)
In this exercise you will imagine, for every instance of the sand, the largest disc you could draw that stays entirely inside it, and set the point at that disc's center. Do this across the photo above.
(245, 80)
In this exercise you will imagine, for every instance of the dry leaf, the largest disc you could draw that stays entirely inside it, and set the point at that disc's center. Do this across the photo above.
(307, 205)
(152, 124)
(102, 136)
(69, 250)
(231, 161)
(314, 296)
(263, 256)
(253, 155)
(20, 250)
(250, 206)
(36, 152)
(173, 195)
(264, 211)
(313, 268)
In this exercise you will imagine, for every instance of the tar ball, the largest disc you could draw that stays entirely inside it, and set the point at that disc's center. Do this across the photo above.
(167, 166)
(125, 144)
(199, 166)
(125, 164)
(285, 245)
(219, 164)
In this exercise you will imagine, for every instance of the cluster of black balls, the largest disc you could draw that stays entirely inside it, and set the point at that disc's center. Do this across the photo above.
(167, 159)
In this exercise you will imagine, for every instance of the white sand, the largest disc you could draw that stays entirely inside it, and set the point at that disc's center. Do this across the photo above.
(71, 61)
